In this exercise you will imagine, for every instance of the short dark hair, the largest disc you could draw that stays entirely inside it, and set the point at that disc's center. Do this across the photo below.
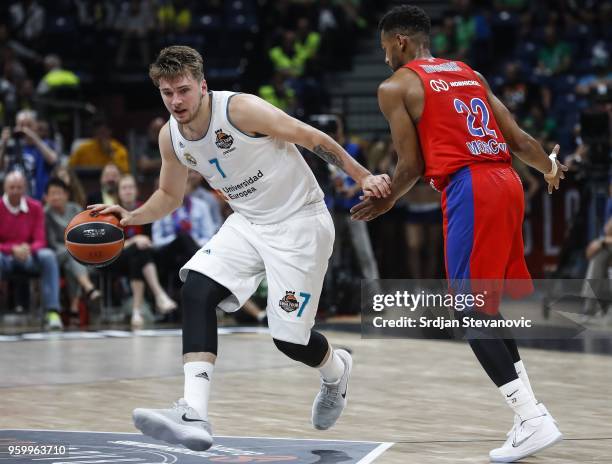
(57, 182)
(405, 19)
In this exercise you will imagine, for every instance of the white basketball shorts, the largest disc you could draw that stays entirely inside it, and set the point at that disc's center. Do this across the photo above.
(292, 255)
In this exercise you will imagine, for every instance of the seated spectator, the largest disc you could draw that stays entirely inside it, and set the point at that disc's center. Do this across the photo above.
(174, 16)
(286, 58)
(24, 150)
(109, 182)
(57, 79)
(100, 150)
(23, 244)
(179, 235)
(214, 202)
(67, 175)
(58, 214)
(279, 94)
(517, 93)
(136, 259)
(307, 41)
(149, 158)
(555, 56)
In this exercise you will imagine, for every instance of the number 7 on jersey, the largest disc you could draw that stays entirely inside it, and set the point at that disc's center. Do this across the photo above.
(215, 162)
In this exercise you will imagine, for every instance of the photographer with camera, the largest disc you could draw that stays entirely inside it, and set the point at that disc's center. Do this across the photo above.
(22, 149)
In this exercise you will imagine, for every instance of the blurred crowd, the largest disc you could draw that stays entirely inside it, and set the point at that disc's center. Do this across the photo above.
(548, 62)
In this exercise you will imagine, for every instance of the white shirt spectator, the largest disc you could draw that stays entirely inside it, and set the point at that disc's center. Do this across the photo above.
(193, 217)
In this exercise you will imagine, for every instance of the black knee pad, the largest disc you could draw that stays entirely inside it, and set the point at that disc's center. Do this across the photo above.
(200, 297)
(312, 354)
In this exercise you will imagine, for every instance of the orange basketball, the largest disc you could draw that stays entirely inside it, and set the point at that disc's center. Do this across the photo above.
(94, 239)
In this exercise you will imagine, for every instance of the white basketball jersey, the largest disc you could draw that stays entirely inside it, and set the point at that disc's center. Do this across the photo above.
(265, 179)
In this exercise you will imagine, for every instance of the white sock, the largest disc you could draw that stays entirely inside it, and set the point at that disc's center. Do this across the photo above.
(522, 373)
(332, 369)
(198, 376)
(520, 400)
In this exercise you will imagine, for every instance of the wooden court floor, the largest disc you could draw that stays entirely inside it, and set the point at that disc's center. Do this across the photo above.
(429, 397)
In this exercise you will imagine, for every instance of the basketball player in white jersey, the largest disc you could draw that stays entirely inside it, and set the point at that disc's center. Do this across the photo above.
(280, 230)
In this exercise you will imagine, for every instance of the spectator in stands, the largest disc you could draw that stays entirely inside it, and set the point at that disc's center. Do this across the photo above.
(599, 256)
(135, 20)
(149, 158)
(213, 200)
(285, 57)
(279, 93)
(57, 80)
(539, 125)
(347, 196)
(178, 236)
(67, 175)
(465, 28)
(422, 217)
(173, 16)
(597, 83)
(307, 41)
(100, 150)
(28, 19)
(23, 244)
(554, 56)
(443, 39)
(23, 149)
(517, 93)
(58, 214)
(109, 183)
(136, 260)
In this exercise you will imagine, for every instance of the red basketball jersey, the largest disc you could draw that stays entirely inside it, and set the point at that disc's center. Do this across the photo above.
(457, 127)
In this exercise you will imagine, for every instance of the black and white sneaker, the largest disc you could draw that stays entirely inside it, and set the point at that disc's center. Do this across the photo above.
(179, 425)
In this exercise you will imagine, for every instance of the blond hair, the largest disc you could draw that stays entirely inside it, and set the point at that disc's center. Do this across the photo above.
(177, 61)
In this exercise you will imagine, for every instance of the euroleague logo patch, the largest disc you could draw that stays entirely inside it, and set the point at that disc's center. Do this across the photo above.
(223, 140)
(289, 302)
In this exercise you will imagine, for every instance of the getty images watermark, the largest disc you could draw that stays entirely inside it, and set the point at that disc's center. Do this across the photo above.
(539, 309)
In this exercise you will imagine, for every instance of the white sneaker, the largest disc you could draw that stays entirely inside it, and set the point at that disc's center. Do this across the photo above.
(527, 438)
(517, 418)
(331, 400)
(180, 424)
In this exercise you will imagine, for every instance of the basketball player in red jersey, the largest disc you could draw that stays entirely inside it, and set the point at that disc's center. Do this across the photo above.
(448, 127)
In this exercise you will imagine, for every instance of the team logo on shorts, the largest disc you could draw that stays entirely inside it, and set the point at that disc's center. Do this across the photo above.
(190, 159)
(289, 302)
(223, 141)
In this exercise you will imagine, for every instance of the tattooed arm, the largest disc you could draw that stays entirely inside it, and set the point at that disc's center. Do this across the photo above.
(253, 115)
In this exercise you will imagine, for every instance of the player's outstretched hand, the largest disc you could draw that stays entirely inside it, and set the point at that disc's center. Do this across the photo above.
(556, 173)
(124, 215)
(371, 208)
(378, 186)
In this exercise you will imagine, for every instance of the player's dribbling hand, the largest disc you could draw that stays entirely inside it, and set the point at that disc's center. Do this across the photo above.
(556, 173)
(125, 217)
(371, 208)
(378, 186)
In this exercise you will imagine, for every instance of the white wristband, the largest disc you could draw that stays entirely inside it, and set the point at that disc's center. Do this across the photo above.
(553, 158)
